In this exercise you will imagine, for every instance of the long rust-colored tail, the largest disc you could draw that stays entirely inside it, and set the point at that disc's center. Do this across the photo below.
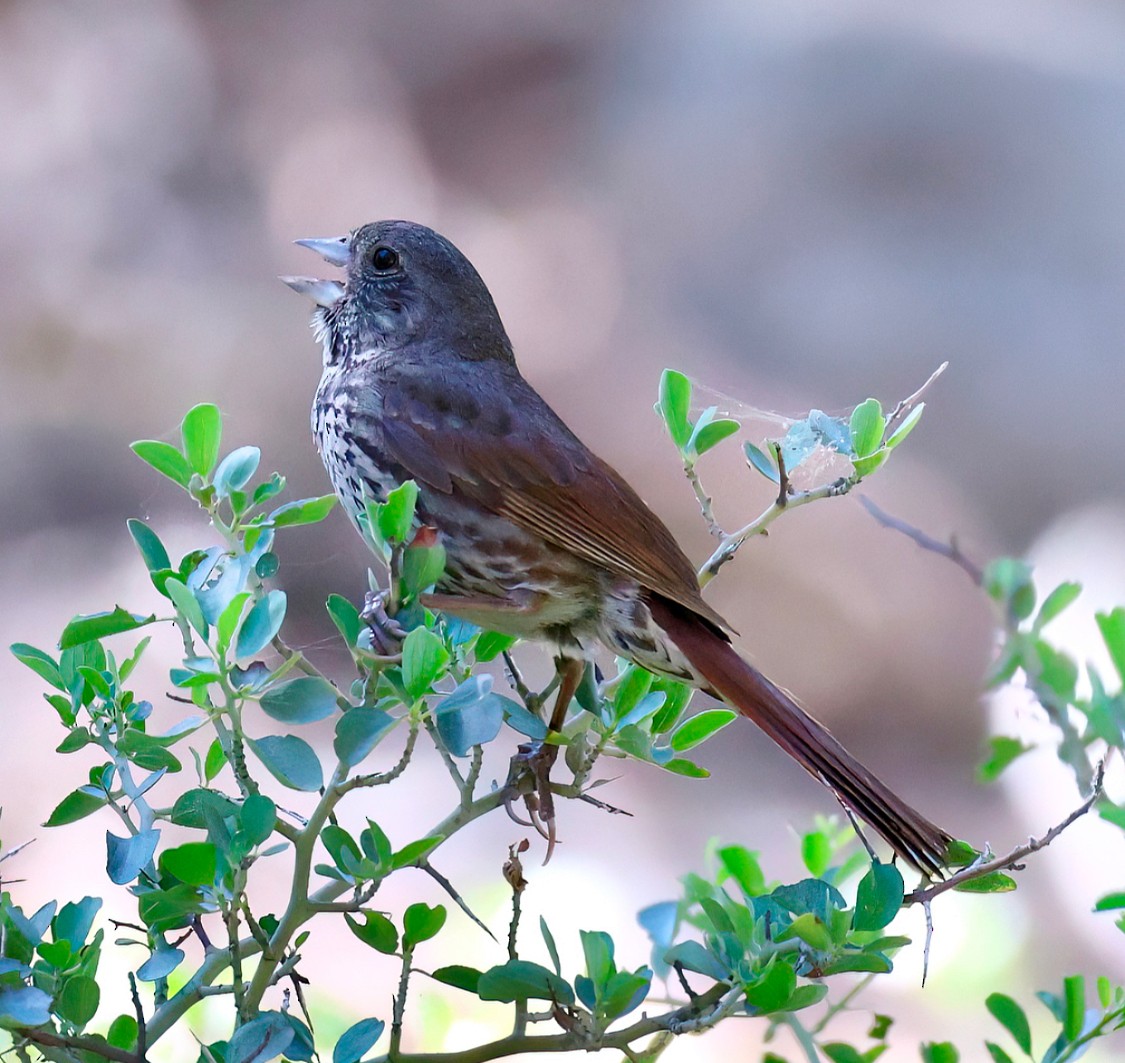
(811, 744)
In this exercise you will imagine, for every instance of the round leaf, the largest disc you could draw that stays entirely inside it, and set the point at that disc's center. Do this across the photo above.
(304, 700)
(879, 897)
(290, 760)
(358, 731)
(420, 922)
(356, 1040)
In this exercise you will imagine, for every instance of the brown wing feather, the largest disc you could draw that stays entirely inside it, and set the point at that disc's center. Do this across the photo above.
(498, 442)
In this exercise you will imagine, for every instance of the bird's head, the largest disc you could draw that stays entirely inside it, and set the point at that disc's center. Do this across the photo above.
(404, 285)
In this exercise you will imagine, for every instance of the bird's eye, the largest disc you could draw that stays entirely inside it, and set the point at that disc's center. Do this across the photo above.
(384, 258)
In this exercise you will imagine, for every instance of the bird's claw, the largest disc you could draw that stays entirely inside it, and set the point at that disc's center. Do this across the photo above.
(529, 777)
(387, 634)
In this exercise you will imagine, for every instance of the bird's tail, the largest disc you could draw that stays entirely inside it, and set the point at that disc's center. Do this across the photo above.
(811, 744)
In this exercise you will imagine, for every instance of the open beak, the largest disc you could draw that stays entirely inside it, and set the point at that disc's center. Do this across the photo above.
(333, 249)
(322, 292)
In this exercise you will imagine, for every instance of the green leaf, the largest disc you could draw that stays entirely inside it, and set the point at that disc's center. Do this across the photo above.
(742, 865)
(905, 427)
(420, 922)
(359, 731)
(490, 644)
(997, 1053)
(290, 760)
(811, 930)
(376, 931)
(597, 948)
(759, 460)
(75, 806)
(262, 624)
(357, 1040)
(256, 819)
(304, 511)
(424, 659)
(470, 716)
(91, 626)
(699, 728)
(202, 431)
(1059, 599)
(939, 1052)
(1074, 993)
(866, 466)
(1003, 751)
(215, 760)
(148, 543)
(193, 863)
(673, 405)
(1011, 1016)
(261, 1039)
(230, 619)
(422, 567)
(165, 459)
(879, 897)
(685, 767)
(996, 882)
(1110, 902)
(867, 426)
(304, 700)
(458, 976)
(712, 433)
(816, 852)
(42, 664)
(693, 956)
(1008, 581)
(346, 618)
(74, 921)
(1112, 627)
(773, 988)
(235, 470)
(413, 851)
(552, 948)
(838, 1052)
(523, 980)
(160, 964)
(123, 1033)
(186, 604)
(127, 857)
(24, 1006)
(396, 515)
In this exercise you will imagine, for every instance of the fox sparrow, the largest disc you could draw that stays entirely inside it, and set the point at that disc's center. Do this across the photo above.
(544, 540)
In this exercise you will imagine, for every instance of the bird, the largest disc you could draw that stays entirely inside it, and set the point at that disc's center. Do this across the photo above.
(543, 539)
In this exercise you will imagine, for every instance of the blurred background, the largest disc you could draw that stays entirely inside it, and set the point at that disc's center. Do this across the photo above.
(796, 203)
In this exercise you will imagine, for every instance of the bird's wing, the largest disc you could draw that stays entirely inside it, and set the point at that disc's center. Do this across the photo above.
(480, 429)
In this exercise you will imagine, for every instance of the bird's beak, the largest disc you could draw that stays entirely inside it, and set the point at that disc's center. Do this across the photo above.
(323, 293)
(333, 249)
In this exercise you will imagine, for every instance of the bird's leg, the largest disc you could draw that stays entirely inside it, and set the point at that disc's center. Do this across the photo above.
(387, 633)
(535, 759)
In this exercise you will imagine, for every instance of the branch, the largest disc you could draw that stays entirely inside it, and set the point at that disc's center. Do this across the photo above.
(948, 550)
(1011, 861)
(700, 1014)
(729, 546)
(80, 1044)
(911, 401)
(704, 500)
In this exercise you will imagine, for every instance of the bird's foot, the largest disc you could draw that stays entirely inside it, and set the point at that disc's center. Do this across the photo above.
(387, 634)
(529, 778)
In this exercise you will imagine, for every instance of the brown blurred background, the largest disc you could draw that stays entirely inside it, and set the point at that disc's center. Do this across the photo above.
(798, 204)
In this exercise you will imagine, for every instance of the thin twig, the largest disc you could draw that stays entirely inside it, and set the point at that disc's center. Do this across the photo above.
(704, 500)
(948, 550)
(142, 1033)
(729, 546)
(905, 406)
(1010, 861)
(446, 885)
